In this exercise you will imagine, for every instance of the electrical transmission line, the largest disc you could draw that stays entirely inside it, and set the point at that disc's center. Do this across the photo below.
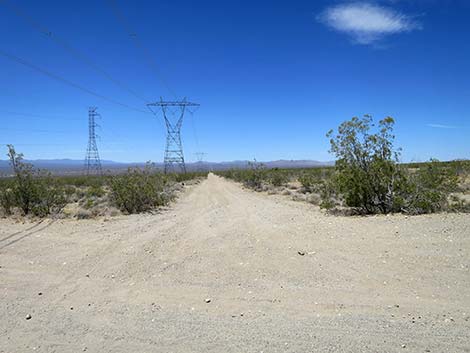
(68, 48)
(37, 116)
(36, 130)
(92, 158)
(138, 44)
(173, 114)
(67, 82)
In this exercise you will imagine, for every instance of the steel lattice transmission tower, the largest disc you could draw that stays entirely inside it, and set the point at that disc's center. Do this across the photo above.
(92, 159)
(173, 114)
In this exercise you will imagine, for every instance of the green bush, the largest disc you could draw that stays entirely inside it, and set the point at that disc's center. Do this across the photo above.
(429, 188)
(50, 196)
(278, 177)
(310, 181)
(369, 178)
(366, 168)
(7, 199)
(69, 190)
(182, 177)
(95, 191)
(307, 181)
(139, 190)
(32, 191)
(254, 177)
(82, 180)
(328, 195)
(257, 175)
(459, 205)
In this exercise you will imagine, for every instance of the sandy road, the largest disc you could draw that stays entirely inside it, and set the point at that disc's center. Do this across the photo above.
(140, 283)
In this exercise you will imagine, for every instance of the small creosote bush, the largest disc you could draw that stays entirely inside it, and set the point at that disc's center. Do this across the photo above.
(31, 190)
(7, 198)
(139, 190)
(278, 177)
(255, 175)
(429, 188)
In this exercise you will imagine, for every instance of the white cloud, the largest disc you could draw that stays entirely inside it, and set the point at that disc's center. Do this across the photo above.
(441, 126)
(365, 22)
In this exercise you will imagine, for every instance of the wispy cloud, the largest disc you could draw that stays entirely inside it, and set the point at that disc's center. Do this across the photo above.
(441, 126)
(366, 22)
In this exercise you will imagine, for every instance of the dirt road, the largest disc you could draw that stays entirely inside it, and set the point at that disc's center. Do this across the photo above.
(229, 270)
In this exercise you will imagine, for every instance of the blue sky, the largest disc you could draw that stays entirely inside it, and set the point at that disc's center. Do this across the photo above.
(272, 77)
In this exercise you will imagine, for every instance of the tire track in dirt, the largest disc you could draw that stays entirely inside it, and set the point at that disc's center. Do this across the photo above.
(25, 233)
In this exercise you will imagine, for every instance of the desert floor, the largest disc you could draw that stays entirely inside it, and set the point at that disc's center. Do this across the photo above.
(229, 270)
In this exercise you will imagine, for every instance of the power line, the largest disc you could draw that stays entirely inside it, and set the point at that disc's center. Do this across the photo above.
(67, 82)
(37, 116)
(33, 144)
(193, 125)
(138, 43)
(34, 130)
(71, 50)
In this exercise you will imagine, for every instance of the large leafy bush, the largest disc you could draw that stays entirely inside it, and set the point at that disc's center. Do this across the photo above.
(369, 178)
(30, 190)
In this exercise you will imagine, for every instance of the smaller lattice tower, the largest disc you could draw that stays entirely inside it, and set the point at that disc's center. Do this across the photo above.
(92, 159)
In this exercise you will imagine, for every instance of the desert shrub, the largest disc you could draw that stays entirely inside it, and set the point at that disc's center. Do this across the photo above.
(84, 214)
(255, 176)
(456, 204)
(460, 167)
(95, 191)
(82, 180)
(181, 177)
(429, 188)
(139, 190)
(311, 180)
(7, 199)
(88, 203)
(33, 191)
(69, 190)
(24, 187)
(367, 173)
(368, 177)
(314, 199)
(278, 177)
(239, 175)
(328, 195)
(50, 196)
(307, 181)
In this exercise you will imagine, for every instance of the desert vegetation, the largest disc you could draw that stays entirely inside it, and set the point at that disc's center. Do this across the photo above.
(367, 177)
(36, 193)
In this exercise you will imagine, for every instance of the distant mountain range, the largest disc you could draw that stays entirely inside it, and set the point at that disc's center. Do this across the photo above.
(71, 166)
